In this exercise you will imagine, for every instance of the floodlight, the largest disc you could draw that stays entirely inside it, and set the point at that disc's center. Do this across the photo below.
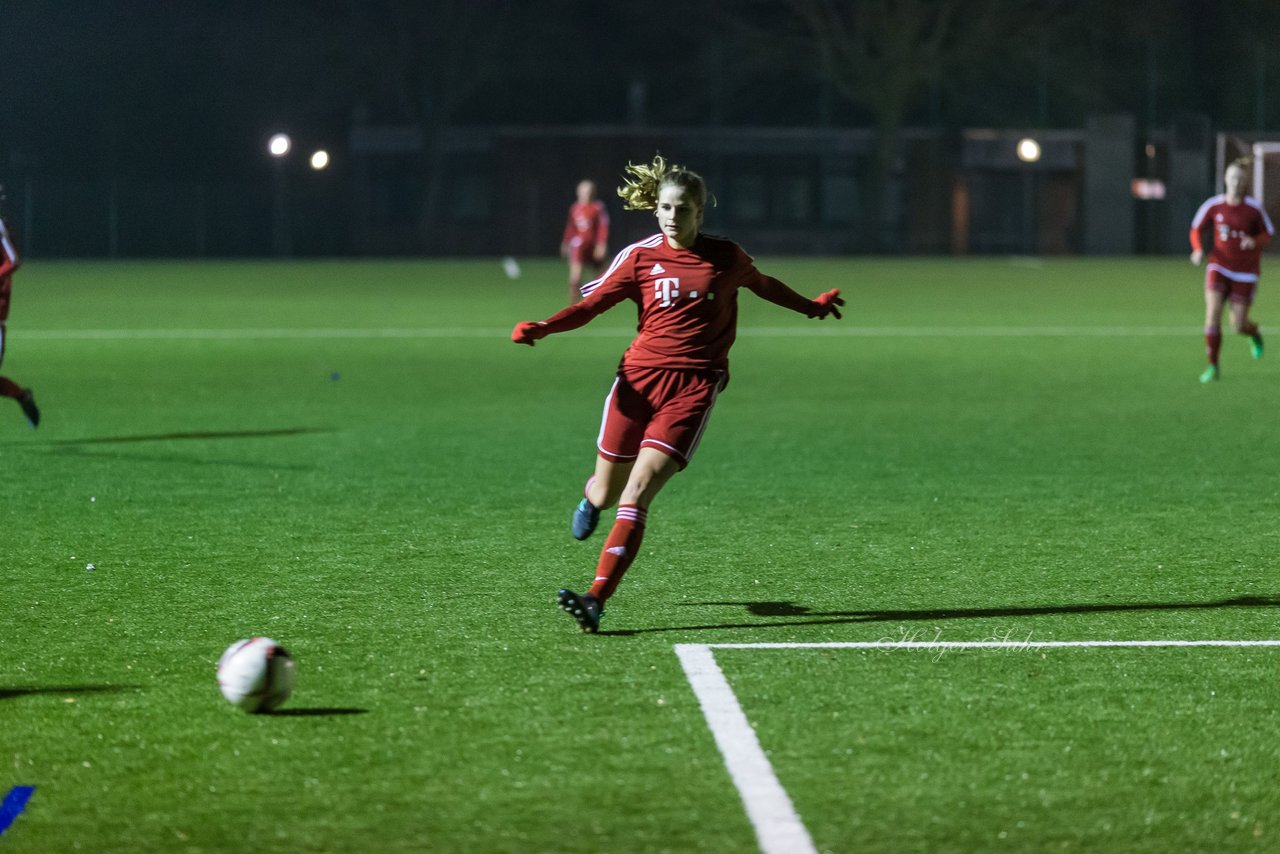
(319, 160)
(1028, 150)
(279, 145)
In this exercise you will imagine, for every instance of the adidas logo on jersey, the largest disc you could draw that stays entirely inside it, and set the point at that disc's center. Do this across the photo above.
(657, 270)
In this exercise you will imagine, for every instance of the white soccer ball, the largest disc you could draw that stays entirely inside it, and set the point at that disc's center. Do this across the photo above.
(256, 674)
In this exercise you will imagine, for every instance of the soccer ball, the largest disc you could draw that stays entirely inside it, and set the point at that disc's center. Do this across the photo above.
(256, 674)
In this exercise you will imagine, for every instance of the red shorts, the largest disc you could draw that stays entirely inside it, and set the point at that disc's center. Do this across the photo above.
(582, 251)
(1239, 292)
(657, 408)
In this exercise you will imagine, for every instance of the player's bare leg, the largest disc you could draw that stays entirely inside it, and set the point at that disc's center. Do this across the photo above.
(575, 280)
(609, 480)
(602, 492)
(577, 269)
(1213, 302)
(1241, 323)
(651, 471)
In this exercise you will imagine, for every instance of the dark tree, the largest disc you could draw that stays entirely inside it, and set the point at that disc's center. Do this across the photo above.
(886, 56)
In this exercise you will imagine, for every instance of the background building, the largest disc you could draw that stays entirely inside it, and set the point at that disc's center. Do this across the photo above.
(459, 127)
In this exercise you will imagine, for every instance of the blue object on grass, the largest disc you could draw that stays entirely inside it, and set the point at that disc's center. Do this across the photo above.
(13, 804)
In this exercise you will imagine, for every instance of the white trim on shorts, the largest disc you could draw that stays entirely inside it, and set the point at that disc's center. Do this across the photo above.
(604, 420)
(1243, 278)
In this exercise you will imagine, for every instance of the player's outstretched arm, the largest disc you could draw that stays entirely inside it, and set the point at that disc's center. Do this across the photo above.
(578, 314)
(778, 293)
(828, 303)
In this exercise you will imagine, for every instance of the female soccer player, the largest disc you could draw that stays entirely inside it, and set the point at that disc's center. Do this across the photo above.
(9, 262)
(685, 285)
(1241, 229)
(586, 236)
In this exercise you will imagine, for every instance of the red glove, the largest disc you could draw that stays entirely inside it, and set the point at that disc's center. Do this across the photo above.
(827, 304)
(527, 333)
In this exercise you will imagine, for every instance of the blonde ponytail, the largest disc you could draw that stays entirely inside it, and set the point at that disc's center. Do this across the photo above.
(639, 191)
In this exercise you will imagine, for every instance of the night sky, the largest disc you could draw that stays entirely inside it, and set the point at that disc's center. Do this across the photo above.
(128, 87)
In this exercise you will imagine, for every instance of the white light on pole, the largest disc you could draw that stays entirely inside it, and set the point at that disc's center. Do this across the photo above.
(1029, 153)
(279, 145)
(282, 244)
(320, 160)
(1028, 150)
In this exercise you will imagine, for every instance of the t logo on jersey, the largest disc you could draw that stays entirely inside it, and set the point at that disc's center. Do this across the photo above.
(666, 291)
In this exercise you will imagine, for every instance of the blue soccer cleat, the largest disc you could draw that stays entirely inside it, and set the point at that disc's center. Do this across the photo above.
(585, 518)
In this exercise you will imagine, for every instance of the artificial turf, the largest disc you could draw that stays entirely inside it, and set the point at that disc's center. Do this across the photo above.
(352, 458)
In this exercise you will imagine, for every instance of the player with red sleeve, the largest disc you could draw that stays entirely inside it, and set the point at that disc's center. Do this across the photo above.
(9, 262)
(1241, 230)
(586, 235)
(685, 285)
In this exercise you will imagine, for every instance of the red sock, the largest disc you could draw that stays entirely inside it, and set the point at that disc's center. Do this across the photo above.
(620, 549)
(8, 388)
(1212, 342)
(1249, 329)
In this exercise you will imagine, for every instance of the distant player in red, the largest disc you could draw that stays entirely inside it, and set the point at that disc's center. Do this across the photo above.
(1241, 230)
(685, 285)
(586, 236)
(9, 262)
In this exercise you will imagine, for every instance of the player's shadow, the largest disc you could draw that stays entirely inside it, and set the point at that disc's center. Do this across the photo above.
(802, 615)
(192, 434)
(65, 690)
(315, 713)
(108, 447)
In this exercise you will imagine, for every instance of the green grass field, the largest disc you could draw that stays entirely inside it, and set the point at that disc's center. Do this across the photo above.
(352, 458)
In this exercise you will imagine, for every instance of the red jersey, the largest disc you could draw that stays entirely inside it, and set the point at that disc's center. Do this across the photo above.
(588, 224)
(8, 263)
(1230, 223)
(687, 300)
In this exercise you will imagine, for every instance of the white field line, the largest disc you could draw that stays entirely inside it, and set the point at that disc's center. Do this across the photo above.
(778, 827)
(998, 643)
(800, 331)
(842, 331)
